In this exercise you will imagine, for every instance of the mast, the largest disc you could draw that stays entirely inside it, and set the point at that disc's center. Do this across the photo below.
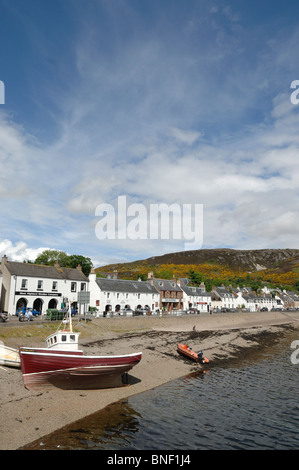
(70, 316)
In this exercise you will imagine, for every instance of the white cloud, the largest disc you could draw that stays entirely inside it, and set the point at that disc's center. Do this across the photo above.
(175, 117)
(19, 251)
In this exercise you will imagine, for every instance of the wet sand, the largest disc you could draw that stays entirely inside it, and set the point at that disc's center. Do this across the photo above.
(27, 416)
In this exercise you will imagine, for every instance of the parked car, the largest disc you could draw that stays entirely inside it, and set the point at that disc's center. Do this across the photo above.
(35, 313)
(192, 310)
(126, 311)
(27, 310)
(264, 309)
(142, 311)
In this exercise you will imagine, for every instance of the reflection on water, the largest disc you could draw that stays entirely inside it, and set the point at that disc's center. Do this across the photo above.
(250, 404)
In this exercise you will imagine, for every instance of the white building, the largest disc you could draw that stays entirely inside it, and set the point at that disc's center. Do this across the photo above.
(114, 295)
(266, 301)
(196, 297)
(222, 298)
(37, 286)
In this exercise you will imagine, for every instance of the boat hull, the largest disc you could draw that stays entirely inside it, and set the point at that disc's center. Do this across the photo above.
(190, 354)
(71, 370)
(9, 357)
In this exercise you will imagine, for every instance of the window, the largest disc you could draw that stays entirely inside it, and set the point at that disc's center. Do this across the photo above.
(39, 285)
(24, 283)
(54, 285)
(74, 287)
(83, 286)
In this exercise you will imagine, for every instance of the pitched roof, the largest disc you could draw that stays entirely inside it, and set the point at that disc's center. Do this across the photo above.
(195, 291)
(122, 285)
(43, 271)
(224, 292)
(165, 284)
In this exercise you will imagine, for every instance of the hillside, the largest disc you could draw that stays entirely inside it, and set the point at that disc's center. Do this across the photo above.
(279, 266)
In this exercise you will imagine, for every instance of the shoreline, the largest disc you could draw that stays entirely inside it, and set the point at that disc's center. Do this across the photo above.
(27, 416)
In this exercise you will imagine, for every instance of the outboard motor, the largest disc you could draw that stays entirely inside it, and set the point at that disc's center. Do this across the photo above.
(201, 358)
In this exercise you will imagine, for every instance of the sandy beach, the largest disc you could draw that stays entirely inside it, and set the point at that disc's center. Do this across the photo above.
(27, 416)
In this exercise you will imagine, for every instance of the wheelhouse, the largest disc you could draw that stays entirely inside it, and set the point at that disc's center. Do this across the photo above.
(63, 340)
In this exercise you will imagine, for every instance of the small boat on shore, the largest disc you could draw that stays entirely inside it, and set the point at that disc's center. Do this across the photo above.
(188, 352)
(61, 364)
(9, 357)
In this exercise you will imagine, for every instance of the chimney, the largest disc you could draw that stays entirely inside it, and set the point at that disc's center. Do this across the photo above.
(79, 268)
(150, 277)
(57, 265)
(4, 259)
(93, 275)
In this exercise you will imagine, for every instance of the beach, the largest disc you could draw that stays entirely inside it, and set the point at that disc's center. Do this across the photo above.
(26, 416)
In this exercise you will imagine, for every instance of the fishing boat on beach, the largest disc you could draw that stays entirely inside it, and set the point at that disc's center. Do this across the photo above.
(63, 365)
(190, 354)
(9, 356)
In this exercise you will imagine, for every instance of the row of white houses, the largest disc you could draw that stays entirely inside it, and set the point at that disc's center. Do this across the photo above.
(44, 287)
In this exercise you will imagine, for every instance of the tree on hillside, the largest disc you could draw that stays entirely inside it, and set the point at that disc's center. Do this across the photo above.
(195, 277)
(50, 257)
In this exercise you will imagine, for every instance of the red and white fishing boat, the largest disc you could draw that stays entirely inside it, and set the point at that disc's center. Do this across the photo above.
(61, 364)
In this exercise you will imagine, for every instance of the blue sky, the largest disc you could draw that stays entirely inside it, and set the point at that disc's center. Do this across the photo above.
(162, 101)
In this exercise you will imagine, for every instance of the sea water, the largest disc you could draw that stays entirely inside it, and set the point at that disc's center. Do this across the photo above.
(248, 404)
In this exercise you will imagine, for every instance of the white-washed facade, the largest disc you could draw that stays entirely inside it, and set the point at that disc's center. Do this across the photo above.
(38, 287)
(116, 295)
(195, 297)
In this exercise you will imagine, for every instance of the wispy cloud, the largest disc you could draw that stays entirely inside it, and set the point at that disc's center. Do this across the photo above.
(184, 108)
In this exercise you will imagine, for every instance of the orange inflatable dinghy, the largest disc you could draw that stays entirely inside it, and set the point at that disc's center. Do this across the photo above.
(188, 352)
